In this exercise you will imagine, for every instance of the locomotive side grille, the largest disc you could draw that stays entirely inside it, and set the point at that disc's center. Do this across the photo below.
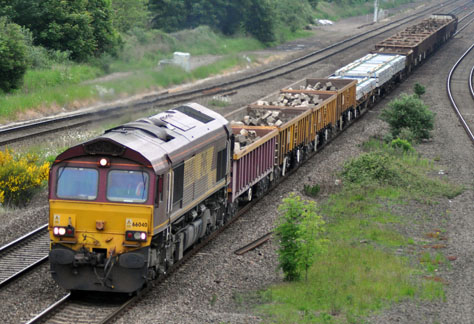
(188, 181)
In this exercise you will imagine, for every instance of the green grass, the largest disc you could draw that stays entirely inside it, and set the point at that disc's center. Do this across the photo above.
(70, 90)
(62, 85)
(58, 75)
(361, 274)
(145, 50)
(346, 284)
(330, 10)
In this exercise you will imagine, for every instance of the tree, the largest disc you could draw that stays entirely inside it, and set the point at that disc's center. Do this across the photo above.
(260, 20)
(129, 14)
(83, 27)
(310, 237)
(256, 17)
(13, 58)
(299, 231)
(409, 112)
(169, 15)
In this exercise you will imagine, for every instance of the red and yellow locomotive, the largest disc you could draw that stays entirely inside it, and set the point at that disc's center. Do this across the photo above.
(126, 205)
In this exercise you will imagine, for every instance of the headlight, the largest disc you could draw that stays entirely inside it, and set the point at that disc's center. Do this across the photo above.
(135, 236)
(63, 231)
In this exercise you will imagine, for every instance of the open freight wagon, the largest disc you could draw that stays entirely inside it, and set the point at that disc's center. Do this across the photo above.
(277, 126)
(344, 89)
(418, 41)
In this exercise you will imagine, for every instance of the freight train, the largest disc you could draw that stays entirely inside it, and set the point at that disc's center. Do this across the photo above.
(127, 205)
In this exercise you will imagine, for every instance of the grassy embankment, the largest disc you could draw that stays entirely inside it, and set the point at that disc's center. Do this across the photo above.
(373, 259)
(63, 84)
(327, 10)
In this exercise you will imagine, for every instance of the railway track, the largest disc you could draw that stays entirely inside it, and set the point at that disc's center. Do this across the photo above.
(459, 86)
(84, 309)
(23, 254)
(78, 307)
(471, 87)
(71, 309)
(34, 129)
(458, 90)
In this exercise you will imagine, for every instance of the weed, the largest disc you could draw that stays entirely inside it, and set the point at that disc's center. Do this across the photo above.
(213, 299)
(312, 190)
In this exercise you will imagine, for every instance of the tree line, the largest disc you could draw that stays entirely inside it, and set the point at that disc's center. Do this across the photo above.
(82, 30)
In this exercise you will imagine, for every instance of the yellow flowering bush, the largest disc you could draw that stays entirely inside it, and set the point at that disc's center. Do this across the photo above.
(20, 177)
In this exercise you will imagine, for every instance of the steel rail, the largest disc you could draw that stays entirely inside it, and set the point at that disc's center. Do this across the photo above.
(254, 244)
(156, 101)
(467, 24)
(196, 249)
(14, 254)
(46, 314)
(471, 88)
(49, 309)
(451, 97)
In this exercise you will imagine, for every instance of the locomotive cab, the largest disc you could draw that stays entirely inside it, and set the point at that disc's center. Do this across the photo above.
(101, 219)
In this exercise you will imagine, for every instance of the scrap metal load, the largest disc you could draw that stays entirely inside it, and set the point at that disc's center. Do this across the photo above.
(418, 41)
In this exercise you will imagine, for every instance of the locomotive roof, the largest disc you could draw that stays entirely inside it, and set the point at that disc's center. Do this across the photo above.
(156, 141)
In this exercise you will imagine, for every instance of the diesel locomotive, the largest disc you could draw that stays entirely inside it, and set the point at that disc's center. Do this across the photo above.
(127, 205)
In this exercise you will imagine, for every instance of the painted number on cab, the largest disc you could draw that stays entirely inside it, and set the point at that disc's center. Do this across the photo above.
(131, 223)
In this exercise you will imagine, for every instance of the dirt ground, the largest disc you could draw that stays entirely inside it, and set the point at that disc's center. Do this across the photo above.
(211, 287)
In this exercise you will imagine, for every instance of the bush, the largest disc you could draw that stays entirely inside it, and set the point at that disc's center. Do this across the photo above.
(371, 167)
(39, 57)
(419, 89)
(312, 190)
(20, 177)
(411, 113)
(300, 236)
(13, 58)
(402, 144)
(82, 27)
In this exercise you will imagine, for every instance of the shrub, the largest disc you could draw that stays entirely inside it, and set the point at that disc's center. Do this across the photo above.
(312, 190)
(82, 27)
(371, 167)
(407, 134)
(409, 112)
(402, 144)
(20, 177)
(299, 232)
(419, 89)
(13, 58)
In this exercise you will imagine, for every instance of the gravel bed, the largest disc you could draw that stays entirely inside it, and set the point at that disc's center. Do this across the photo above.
(216, 286)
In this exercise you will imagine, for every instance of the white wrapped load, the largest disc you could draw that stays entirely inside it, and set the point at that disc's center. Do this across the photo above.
(382, 67)
(364, 85)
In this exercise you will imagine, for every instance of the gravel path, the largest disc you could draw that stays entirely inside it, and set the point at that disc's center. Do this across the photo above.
(214, 286)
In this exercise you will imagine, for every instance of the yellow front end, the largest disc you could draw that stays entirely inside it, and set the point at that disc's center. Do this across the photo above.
(97, 254)
(101, 225)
